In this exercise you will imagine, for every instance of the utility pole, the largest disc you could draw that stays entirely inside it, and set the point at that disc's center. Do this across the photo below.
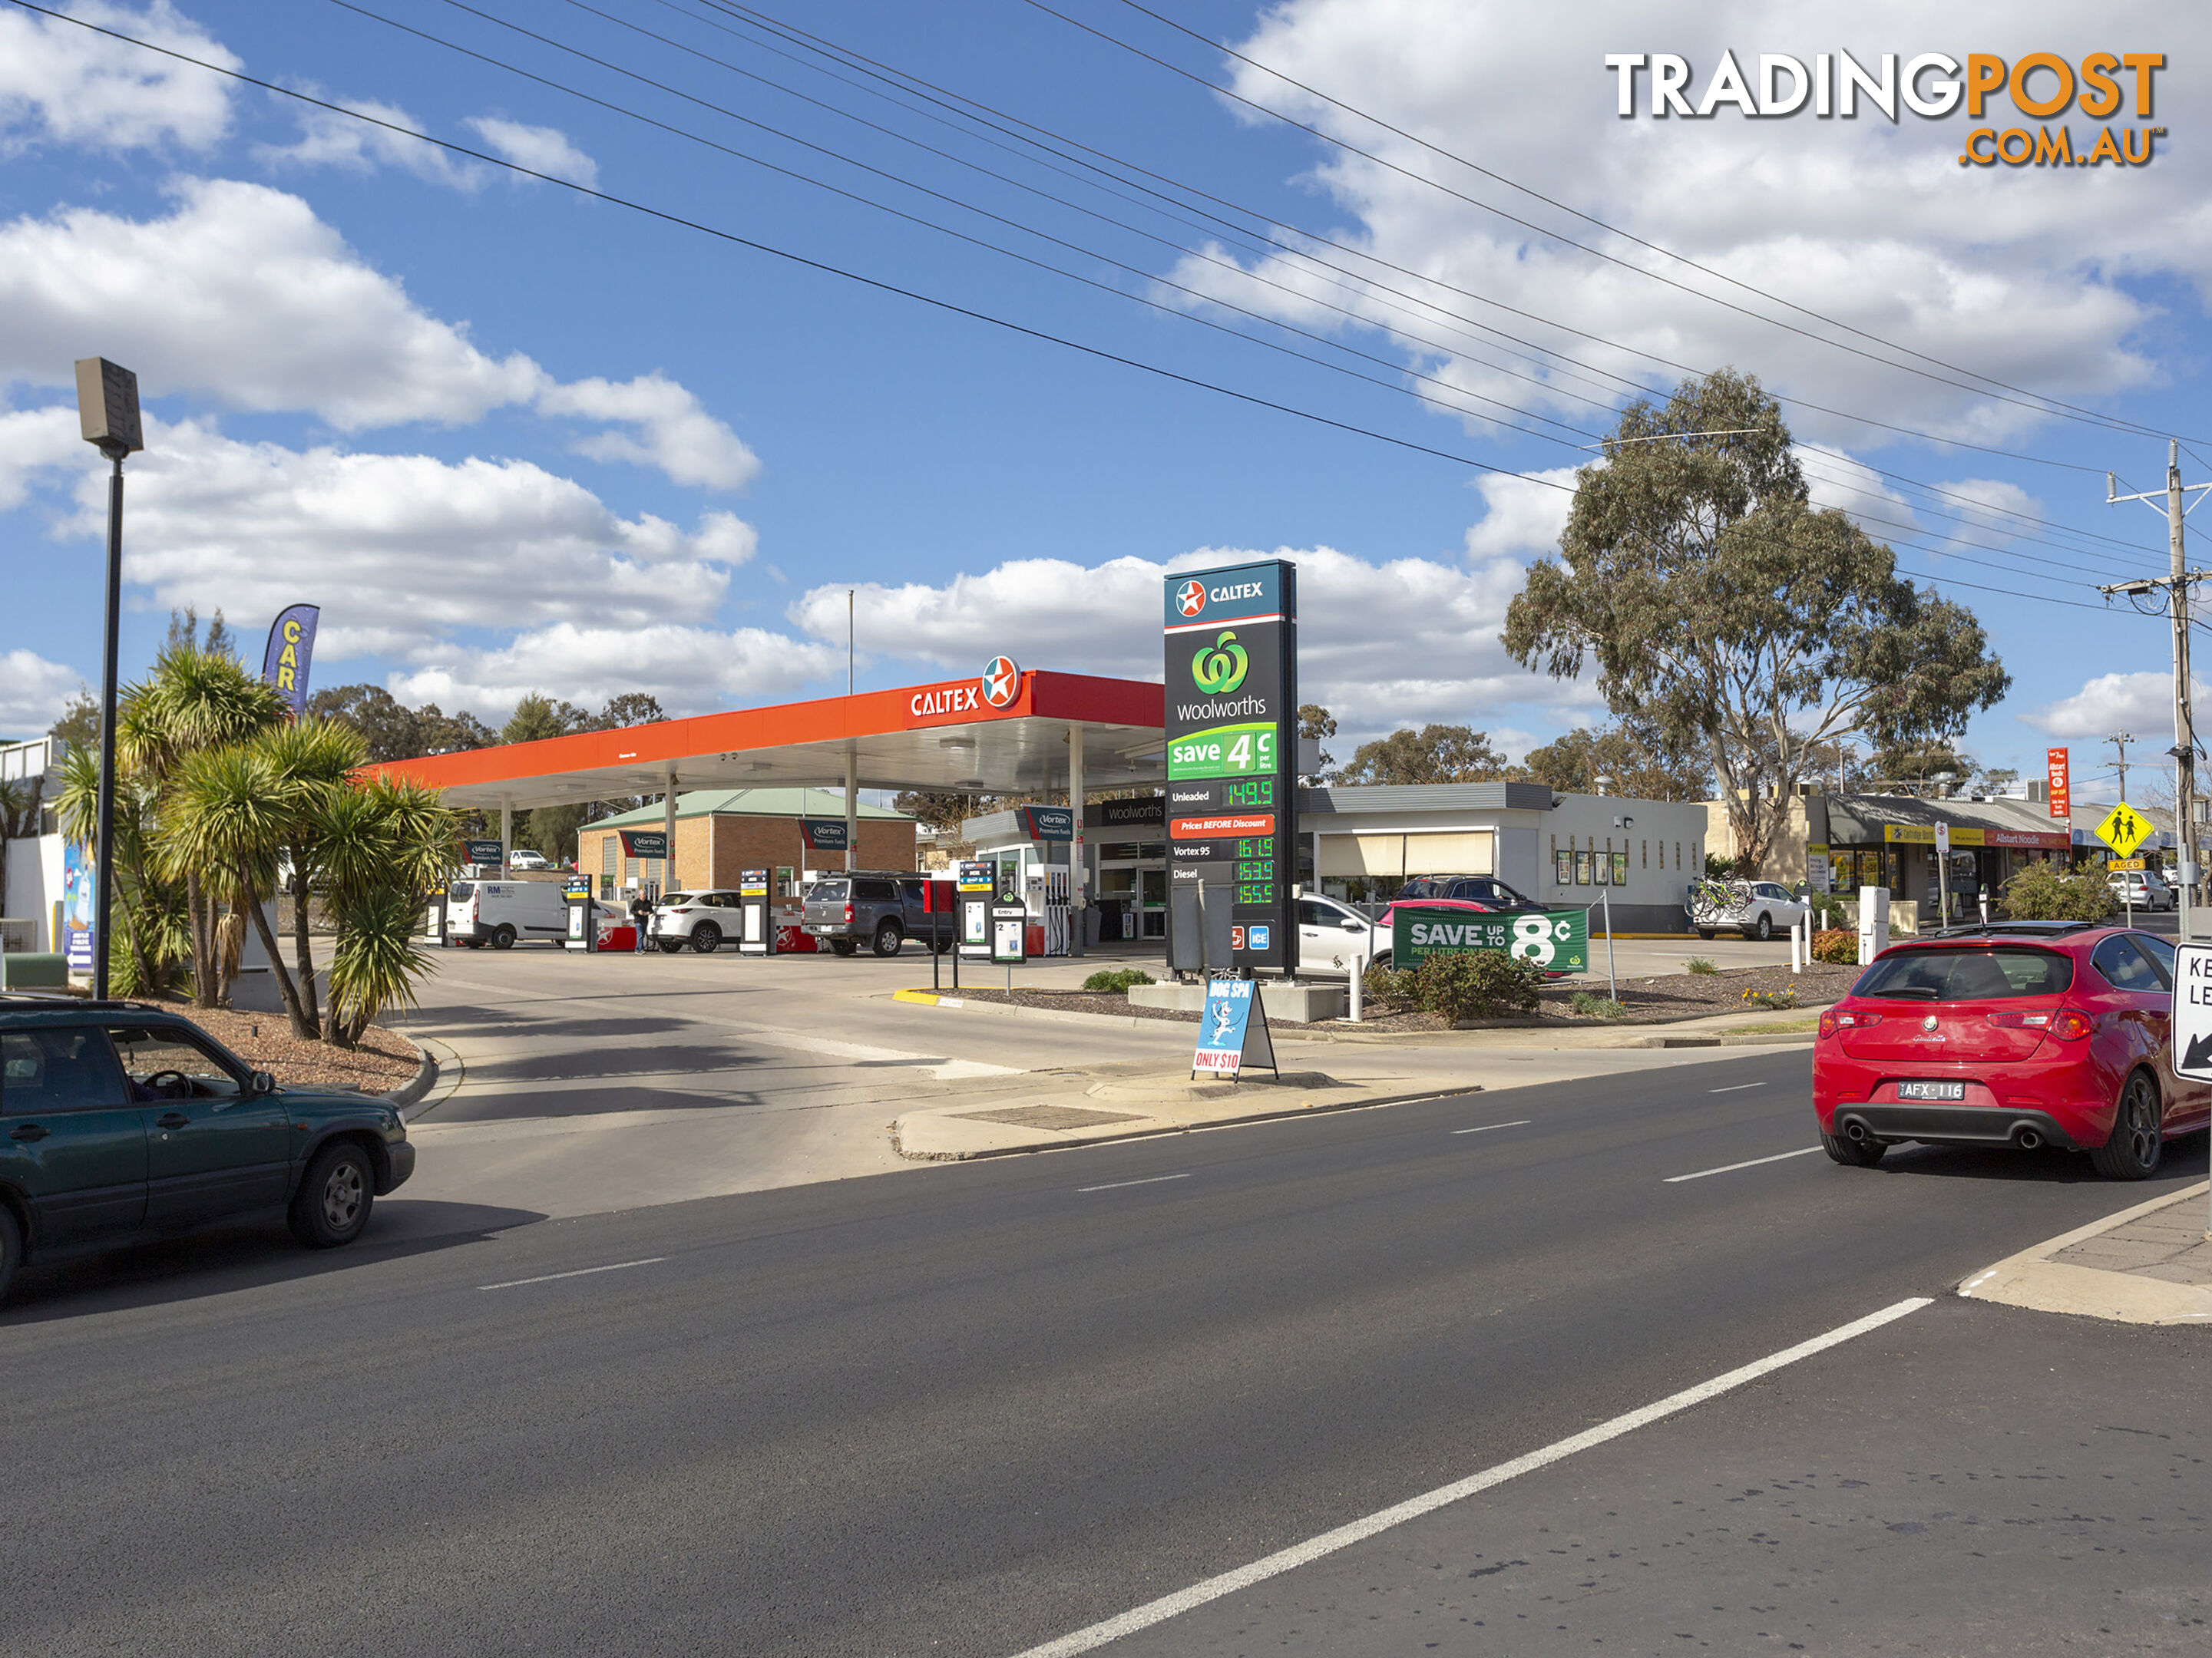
(2173, 502)
(2120, 741)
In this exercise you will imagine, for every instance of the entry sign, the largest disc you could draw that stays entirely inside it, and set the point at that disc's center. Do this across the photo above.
(1010, 934)
(2124, 828)
(1228, 1033)
(2192, 1011)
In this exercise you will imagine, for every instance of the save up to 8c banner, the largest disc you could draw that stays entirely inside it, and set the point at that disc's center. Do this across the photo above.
(1232, 700)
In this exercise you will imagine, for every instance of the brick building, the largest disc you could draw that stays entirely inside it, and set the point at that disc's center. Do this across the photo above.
(722, 831)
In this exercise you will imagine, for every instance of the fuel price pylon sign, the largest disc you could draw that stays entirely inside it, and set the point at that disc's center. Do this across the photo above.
(1232, 698)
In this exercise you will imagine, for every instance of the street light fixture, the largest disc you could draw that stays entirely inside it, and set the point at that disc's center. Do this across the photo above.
(108, 413)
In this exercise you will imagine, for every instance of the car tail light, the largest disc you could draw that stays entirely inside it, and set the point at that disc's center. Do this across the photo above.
(2069, 1026)
(1834, 1020)
(849, 912)
(2023, 1021)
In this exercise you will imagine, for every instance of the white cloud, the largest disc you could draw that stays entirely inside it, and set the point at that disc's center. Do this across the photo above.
(675, 432)
(242, 294)
(1991, 507)
(1525, 515)
(1443, 660)
(66, 85)
(403, 552)
(2013, 271)
(691, 669)
(329, 139)
(542, 150)
(2139, 702)
(31, 692)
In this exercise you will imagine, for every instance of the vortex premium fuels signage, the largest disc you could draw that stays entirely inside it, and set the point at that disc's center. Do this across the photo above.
(1231, 639)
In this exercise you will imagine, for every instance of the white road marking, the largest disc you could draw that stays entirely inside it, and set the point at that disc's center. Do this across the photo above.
(581, 1271)
(1149, 1180)
(1730, 1167)
(1737, 1088)
(1329, 1542)
(1487, 1126)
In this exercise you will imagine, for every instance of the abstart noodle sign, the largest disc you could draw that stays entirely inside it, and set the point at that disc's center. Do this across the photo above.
(1232, 641)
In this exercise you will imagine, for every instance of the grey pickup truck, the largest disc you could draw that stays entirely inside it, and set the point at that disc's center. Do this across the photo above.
(884, 907)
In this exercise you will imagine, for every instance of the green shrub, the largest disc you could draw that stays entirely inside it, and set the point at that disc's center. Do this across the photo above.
(1385, 988)
(1596, 1007)
(1784, 998)
(1828, 910)
(1700, 964)
(1837, 945)
(1117, 978)
(2043, 892)
(1476, 984)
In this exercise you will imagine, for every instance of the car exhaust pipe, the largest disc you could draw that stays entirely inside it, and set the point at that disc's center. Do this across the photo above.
(2027, 1139)
(1855, 1132)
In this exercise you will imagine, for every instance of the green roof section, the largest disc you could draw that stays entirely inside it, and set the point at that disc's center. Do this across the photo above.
(748, 803)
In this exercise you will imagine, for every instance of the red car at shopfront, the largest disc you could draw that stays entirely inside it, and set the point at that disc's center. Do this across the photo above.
(2020, 1035)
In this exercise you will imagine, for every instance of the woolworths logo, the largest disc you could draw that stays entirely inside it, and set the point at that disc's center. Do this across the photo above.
(1221, 668)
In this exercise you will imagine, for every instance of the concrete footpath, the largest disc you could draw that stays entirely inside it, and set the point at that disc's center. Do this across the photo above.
(2148, 1264)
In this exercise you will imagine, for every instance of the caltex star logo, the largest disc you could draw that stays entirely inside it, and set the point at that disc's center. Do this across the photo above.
(1001, 680)
(1190, 597)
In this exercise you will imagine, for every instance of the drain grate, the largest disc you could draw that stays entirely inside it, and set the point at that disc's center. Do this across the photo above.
(1049, 1116)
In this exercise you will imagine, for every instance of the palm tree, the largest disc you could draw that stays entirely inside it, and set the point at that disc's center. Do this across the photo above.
(309, 761)
(224, 819)
(385, 844)
(196, 700)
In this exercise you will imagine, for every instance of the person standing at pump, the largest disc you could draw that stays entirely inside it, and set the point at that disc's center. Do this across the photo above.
(641, 912)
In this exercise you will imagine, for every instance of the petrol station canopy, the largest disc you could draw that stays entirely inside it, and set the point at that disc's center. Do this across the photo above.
(1006, 731)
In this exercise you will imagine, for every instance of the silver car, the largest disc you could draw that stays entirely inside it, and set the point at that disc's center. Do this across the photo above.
(2141, 889)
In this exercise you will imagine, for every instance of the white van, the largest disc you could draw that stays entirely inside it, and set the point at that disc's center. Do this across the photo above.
(497, 913)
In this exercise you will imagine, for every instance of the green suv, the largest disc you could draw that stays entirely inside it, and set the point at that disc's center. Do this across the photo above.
(119, 1121)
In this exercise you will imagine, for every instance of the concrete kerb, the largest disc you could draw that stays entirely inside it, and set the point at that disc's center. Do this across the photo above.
(2033, 1279)
(438, 1079)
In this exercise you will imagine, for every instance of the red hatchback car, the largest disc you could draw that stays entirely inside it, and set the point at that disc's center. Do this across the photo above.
(2020, 1035)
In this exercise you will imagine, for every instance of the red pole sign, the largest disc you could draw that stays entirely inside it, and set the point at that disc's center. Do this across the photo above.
(2061, 787)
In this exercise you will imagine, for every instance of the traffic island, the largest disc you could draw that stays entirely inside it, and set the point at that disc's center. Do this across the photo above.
(2148, 1264)
(1133, 1108)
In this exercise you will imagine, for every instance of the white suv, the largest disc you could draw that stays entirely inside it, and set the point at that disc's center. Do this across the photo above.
(525, 857)
(702, 919)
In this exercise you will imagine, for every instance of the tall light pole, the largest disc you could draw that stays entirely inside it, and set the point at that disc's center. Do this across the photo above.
(108, 413)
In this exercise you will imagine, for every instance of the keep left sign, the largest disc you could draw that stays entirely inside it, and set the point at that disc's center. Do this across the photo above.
(2192, 1011)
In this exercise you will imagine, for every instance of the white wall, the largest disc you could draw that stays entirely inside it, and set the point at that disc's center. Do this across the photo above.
(34, 884)
(1586, 823)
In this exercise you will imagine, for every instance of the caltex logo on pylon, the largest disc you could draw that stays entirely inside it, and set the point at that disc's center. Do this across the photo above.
(1001, 681)
(1190, 597)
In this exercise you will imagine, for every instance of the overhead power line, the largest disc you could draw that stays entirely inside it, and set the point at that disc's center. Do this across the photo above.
(1019, 128)
(2041, 404)
(680, 221)
(1614, 229)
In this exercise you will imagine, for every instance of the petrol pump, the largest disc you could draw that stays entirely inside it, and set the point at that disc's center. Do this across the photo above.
(756, 920)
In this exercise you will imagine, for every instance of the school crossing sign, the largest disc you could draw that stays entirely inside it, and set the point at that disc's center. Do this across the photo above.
(1557, 940)
(2124, 828)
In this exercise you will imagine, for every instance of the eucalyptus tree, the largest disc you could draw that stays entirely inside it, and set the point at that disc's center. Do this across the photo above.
(1721, 607)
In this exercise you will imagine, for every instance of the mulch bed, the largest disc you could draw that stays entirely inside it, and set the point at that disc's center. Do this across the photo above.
(383, 1062)
(1649, 1001)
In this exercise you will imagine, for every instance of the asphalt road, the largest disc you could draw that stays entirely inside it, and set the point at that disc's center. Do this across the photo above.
(961, 1412)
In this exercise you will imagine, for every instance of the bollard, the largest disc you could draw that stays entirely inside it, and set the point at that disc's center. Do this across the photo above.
(1359, 972)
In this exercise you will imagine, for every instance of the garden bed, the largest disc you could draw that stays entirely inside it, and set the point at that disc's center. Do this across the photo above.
(1655, 1000)
(384, 1061)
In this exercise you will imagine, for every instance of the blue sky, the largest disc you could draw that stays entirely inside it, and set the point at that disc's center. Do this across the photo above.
(514, 438)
